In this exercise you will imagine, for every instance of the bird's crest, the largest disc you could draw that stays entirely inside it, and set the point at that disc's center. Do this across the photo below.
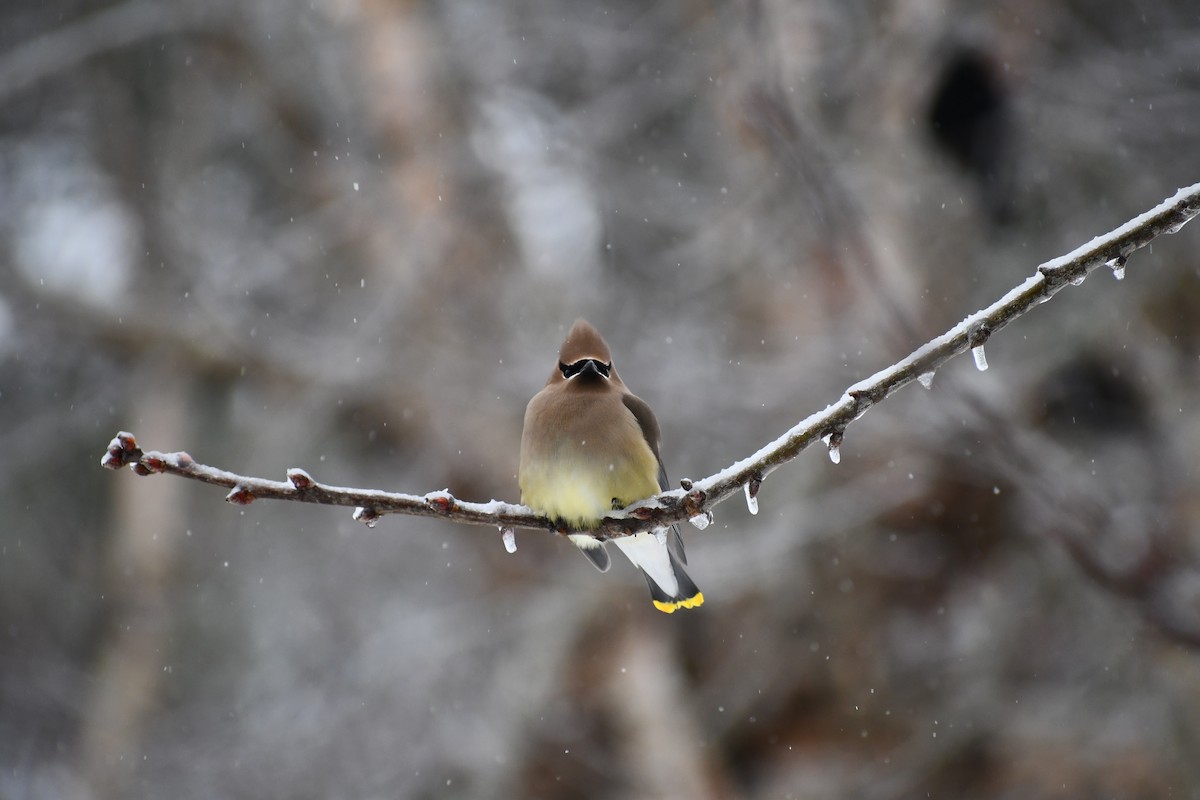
(583, 342)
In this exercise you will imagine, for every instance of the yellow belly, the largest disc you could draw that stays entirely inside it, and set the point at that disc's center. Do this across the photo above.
(580, 489)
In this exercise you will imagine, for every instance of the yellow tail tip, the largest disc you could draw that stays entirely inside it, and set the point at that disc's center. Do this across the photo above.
(695, 601)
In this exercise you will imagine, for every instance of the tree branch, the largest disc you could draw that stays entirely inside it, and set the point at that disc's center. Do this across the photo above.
(72, 44)
(696, 499)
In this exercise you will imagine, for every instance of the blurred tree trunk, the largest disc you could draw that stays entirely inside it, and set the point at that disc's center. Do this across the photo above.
(139, 566)
(662, 743)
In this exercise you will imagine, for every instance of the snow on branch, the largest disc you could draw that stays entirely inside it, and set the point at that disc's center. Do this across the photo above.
(696, 498)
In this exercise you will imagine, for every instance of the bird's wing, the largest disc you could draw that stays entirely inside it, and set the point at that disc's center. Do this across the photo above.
(653, 436)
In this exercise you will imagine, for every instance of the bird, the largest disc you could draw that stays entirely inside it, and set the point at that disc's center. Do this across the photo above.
(590, 445)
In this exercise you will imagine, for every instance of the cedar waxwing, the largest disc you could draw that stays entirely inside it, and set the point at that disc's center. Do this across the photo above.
(589, 446)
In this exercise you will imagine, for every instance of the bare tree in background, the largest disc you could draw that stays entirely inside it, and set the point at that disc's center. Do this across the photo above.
(348, 235)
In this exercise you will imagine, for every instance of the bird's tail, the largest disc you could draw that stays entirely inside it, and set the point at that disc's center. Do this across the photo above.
(592, 548)
(670, 586)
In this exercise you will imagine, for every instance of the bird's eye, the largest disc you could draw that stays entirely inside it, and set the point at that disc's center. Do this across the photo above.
(603, 369)
(570, 370)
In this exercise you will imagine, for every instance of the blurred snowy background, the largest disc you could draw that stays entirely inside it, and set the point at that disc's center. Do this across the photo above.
(349, 235)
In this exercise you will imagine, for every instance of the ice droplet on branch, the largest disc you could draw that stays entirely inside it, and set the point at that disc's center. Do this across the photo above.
(510, 539)
(926, 379)
(834, 442)
(751, 500)
(980, 357)
(1118, 267)
(701, 521)
(1176, 227)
